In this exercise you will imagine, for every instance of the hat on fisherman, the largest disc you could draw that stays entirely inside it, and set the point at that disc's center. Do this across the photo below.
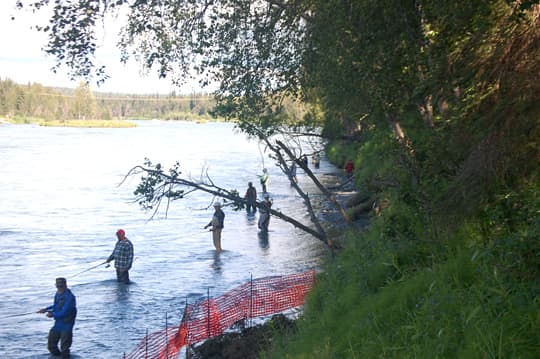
(61, 282)
(121, 233)
(217, 204)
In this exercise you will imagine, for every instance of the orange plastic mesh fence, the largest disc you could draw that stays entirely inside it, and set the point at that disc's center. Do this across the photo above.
(211, 317)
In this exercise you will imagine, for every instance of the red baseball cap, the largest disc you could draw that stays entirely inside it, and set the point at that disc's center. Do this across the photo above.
(121, 233)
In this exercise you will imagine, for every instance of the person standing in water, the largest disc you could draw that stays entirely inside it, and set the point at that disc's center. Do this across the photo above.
(264, 180)
(264, 213)
(304, 160)
(316, 160)
(292, 171)
(217, 224)
(123, 256)
(251, 198)
(64, 312)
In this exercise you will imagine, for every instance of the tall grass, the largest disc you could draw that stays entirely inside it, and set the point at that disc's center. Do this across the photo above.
(388, 297)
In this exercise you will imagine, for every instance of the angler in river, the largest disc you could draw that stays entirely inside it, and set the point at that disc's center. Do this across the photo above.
(264, 213)
(123, 256)
(264, 179)
(64, 312)
(251, 198)
(217, 224)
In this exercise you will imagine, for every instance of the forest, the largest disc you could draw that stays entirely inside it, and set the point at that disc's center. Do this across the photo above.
(436, 102)
(35, 102)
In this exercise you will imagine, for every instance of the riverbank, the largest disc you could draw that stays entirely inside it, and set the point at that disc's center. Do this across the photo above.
(68, 123)
(96, 123)
(418, 285)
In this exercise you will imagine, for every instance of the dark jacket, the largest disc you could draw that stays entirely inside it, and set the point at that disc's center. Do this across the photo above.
(251, 195)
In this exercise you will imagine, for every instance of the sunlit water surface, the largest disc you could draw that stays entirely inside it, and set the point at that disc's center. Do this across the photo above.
(61, 203)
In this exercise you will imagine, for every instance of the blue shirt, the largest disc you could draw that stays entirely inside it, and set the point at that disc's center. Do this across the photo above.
(64, 311)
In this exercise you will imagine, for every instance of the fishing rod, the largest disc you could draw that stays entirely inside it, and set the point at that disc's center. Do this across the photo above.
(17, 315)
(86, 270)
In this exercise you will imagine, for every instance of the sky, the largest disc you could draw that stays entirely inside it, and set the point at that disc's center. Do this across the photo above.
(23, 61)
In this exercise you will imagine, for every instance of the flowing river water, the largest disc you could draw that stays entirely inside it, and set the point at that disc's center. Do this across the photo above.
(61, 204)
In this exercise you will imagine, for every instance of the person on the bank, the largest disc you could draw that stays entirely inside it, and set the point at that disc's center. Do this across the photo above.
(349, 168)
(264, 180)
(123, 256)
(251, 198)
(264, 213)
(217, 224)
(64, 312)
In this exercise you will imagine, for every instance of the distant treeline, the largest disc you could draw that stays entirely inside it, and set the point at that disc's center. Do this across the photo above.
(35, 101)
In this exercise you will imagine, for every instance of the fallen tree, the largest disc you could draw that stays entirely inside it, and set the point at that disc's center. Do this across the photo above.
(159, 186)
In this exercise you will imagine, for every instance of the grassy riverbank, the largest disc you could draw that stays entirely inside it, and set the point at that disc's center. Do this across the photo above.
(87, 123)
(69, 123)
(418, 286)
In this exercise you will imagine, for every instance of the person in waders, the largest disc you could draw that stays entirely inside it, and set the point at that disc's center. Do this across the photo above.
(264, 213)
(123, 257)
(264, 178)
(217, 224)
(292, 172)
(251, 198)
(316, 160)
(64, 311)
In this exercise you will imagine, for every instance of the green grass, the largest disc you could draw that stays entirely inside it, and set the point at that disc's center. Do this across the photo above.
(368, 304)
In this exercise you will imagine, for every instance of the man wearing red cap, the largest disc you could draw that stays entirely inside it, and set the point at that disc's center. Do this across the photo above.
(123, 256)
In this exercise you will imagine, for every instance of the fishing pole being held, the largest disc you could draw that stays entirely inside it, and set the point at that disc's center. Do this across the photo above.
(86, 270)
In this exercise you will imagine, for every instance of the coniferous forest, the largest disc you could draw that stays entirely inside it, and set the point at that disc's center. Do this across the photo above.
(35, 102)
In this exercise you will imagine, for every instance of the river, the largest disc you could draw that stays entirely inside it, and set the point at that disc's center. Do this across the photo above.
(61, 204)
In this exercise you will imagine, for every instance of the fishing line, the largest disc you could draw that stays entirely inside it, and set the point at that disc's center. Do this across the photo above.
(17, 315)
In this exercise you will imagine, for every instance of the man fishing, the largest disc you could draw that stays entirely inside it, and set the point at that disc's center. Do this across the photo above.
(264, 179)
(64, 311)
(217, 224)
(123, 256)
(251, 198)
(264, 213)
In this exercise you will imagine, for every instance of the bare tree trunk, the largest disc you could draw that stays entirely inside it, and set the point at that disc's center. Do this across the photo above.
(329, 195)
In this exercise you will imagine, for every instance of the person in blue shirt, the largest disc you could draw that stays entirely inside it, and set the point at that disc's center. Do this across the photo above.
(64, 312)
(123, 257)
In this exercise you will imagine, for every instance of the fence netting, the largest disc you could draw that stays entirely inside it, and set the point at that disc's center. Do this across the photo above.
(211, 317)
